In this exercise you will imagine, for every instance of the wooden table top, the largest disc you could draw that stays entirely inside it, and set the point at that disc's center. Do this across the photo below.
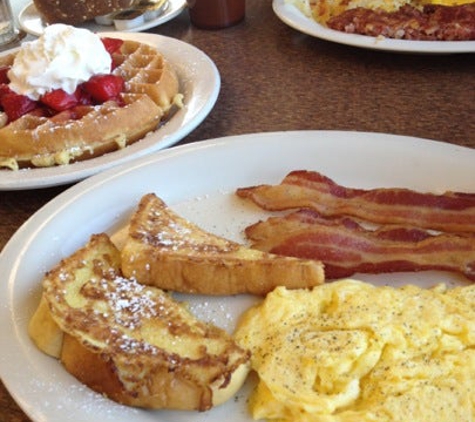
(275, 78)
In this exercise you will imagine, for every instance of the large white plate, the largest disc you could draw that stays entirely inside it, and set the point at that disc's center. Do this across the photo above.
(198, 181)
(30, 20)
(293, 17)
(199, 82)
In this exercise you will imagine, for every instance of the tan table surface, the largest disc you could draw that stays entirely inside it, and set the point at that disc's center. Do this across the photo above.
(275, 78)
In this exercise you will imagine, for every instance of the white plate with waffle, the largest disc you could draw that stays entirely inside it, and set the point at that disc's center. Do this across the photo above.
(30, 20)
(293, 17)
(198, 181)
(199, 83)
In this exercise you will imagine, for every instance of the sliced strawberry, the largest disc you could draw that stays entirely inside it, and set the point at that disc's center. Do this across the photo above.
(104, 87)
(4, 79)
(4, 89)
(84, 98)
(112, 45)
(15, 105)
(59, 100)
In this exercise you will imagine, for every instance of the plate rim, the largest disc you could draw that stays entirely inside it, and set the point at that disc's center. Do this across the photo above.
(10, 259)
(291, 16)
(34, 178)
(167, 16)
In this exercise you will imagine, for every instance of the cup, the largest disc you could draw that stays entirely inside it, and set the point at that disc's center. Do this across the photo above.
(7, 23)
(216, 14)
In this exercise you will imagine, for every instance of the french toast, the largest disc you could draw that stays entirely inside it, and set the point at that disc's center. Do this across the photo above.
(135, 343)
(44, 331)
(151, 89)
(165, 250)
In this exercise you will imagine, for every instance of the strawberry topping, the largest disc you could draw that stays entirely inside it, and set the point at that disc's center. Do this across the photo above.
(112, 45)
(97, 90)
(104, 87)
(59, 100)
(16, 105)
(3, 74)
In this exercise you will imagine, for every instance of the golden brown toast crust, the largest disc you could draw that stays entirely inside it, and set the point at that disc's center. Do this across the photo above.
(134, 343)
(168, 251)
(44, 331)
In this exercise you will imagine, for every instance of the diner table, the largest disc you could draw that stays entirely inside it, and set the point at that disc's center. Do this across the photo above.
(276, 78)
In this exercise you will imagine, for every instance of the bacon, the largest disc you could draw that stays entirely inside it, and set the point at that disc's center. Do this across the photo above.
(346, 247)
(432, 22)
(448, 212)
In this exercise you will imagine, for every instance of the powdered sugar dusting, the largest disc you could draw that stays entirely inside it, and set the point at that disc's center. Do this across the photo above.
(128, 304)
(77, 399)
(206, 211)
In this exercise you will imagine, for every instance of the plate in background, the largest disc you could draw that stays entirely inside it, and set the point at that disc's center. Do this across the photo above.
(30, 20)
(293, 17)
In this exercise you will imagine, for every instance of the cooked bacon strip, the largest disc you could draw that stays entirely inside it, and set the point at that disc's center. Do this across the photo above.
(432, 22)
(345, 247)
(449, 212)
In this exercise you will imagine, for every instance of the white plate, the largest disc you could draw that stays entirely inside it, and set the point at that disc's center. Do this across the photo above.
(293, 17)
(199, 82)
(198, 181)
(30, 20)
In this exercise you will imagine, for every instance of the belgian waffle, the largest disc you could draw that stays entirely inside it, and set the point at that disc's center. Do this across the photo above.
(146, 72)
(151, 89)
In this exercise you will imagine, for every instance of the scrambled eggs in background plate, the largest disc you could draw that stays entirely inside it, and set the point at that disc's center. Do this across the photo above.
(322, 10)
(351, 351)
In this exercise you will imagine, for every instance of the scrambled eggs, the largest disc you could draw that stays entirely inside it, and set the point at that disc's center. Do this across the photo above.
(448, 2)
(350, 351)
(322, 10)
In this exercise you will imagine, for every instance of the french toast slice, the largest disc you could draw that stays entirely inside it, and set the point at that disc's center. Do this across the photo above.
(44, 331)
(135, 343)
(165, 250)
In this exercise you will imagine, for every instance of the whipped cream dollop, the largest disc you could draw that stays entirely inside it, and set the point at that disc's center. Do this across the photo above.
(62, 57)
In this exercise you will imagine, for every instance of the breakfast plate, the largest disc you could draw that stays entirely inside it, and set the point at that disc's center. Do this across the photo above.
(199, 82)
(293, 17)
(198, 181)
(30, 20)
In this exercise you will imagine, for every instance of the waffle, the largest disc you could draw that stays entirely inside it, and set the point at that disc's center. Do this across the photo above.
(133, 343)
(151, 89)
